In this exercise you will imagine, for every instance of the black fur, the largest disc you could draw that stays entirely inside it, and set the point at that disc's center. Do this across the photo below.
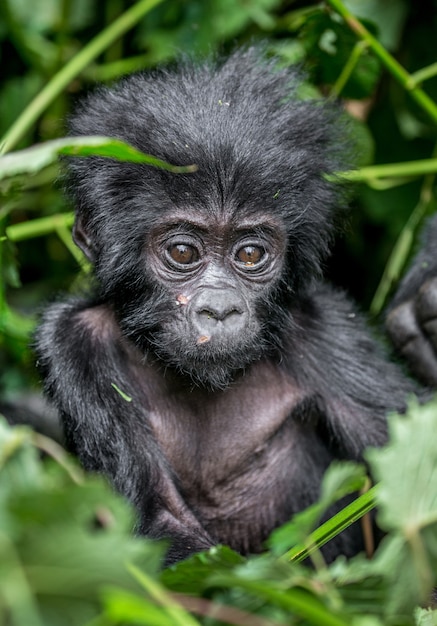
(240, 382)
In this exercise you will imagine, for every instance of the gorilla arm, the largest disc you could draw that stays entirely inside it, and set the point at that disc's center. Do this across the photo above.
(80, 349)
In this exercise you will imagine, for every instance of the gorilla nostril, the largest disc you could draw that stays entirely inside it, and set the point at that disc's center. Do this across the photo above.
(207, 313)
(212, 313)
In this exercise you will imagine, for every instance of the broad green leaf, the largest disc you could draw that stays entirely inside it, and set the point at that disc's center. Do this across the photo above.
(363, 590)
(407, 469)
(407, 503)
(61, 543)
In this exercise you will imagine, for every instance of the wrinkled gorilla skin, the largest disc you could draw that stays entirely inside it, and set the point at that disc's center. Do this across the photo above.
(412, 317)
(247, 374)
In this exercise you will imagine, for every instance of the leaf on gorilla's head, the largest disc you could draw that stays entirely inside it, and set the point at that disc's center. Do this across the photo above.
(34, 159)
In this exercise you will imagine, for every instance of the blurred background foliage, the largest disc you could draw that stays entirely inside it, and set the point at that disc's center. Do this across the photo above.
(53, 51)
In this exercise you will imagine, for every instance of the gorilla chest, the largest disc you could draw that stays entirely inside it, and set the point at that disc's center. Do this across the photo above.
(245, 459)
(220, 438)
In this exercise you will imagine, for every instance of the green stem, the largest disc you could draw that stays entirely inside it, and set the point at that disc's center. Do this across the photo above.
(335, 525)
(72, 69)
(402, 247)
(395, 68)
(424, 74)
(397, 258)
(16, 325)
(406, 169)
(348, 68)
(39, 227)
(109, 71)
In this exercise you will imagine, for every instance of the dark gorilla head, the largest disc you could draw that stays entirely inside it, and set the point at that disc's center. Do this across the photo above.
(201, 268)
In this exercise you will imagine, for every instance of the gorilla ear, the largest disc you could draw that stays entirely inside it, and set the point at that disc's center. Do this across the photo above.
(83, 240)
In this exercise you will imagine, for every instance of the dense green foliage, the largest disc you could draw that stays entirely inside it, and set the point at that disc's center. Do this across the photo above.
(68, 556)
(66, 551)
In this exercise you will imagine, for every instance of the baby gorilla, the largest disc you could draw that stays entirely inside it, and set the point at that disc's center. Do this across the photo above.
(211, 374)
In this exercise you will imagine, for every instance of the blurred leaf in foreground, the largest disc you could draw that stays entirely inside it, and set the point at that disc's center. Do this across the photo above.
(407, 502)
(61, 543)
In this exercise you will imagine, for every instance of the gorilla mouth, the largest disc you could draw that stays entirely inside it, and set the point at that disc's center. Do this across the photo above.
(208, 361)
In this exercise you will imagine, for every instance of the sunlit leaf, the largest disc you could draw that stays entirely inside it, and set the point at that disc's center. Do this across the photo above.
(32, 160)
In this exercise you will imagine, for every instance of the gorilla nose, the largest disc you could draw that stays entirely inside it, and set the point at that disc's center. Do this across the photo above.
(219, 309)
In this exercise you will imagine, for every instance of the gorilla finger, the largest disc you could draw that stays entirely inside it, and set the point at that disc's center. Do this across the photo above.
(426, 308)
(401, 324)
(421, 359)
(408, 338)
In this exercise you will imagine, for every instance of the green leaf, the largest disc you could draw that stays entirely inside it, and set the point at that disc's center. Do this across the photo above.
(363, 590)
(127, 608)
(407, 503)
(34, 159)
(425, 617)
(61, 543)
(407, 469)
(191, 575)
(329, 44)
(295, 601)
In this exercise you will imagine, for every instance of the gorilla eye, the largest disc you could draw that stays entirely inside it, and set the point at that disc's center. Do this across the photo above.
(183, 254)
(250, 255)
